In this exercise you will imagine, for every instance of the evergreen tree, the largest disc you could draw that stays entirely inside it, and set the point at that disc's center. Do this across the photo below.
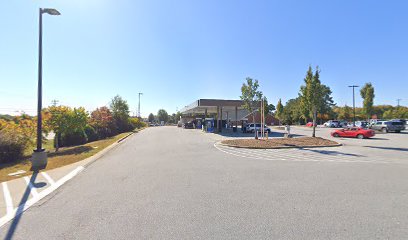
(279, 111)
(314, 97)
(251, 96)
(150, 118)
(367, 93)
(162, 115)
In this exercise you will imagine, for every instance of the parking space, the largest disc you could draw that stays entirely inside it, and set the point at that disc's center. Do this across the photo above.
(382, 148)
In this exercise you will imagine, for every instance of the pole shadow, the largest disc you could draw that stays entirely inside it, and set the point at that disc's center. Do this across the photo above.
(331, 152)
(20, 209)
(389, 148)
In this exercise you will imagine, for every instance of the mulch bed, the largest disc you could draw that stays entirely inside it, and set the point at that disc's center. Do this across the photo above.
(299, 142)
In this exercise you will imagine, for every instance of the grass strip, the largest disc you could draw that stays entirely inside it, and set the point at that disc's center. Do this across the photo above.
(65, 156)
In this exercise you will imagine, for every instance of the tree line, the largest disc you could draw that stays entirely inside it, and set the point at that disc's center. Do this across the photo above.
(315, 104)
(162, 115)
(72, 126)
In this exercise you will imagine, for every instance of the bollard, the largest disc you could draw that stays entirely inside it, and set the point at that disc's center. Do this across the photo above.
(266, 135)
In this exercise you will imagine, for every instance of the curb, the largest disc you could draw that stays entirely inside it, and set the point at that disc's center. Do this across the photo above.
(104, 151)
(279, 147)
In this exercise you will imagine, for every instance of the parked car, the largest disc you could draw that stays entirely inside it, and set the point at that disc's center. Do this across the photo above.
(256, 127)
(402, 120)
(188, 125)
(332, 124)
(343, 124)
(355, 132)
(360, 124)
(310, 124)
(388, 126)
(374, 121)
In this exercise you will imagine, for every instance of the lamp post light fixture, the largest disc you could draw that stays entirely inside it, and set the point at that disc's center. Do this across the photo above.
(39, 158)
(354, 105)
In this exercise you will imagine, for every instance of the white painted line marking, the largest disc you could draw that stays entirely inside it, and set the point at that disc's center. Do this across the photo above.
(49, 179)
(40, 196)
(282, 155)
(7, 198)
(31, 186)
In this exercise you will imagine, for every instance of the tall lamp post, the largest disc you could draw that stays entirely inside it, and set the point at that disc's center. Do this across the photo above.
(39, 159)
(354, 105)
(138, 108)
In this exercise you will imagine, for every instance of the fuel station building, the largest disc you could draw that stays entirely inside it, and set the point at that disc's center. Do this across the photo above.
(215, 114)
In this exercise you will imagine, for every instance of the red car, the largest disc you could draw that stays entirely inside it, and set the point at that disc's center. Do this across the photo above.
(354, 132)
(310, 124)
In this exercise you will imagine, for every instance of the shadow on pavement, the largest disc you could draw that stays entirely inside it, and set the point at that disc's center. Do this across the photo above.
(375, 138)
(20, 209)
(389, 148)
(331, 153)
(240, 134)
(74, 150)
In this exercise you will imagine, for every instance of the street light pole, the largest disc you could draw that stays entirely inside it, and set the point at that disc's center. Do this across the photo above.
(39, 158)
(354, 106)
(138, 109)
(39, 102)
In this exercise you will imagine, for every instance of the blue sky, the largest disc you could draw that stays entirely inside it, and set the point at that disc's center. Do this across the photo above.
(178, 51)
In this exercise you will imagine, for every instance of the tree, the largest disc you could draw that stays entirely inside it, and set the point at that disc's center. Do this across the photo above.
(150, 118)
(279, 111)
(268, 108)
(291, 111)
(120, 113)
(367, 93)
(65, 121)
(102, 121)
(327, 103)
(250, 95)
(162, 115)
(345, 113)
(58, 122)
(315, 97)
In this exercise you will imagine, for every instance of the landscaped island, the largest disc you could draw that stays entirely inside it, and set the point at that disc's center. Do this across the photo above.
(299, 142)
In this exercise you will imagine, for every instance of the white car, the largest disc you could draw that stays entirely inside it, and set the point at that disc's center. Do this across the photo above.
(256, 127)
(332, 124)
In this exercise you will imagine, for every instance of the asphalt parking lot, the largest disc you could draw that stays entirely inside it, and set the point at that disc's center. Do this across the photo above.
(173, 183)
(383, 147)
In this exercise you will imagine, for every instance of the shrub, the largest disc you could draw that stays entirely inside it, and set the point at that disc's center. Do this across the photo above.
(102, 121)
(136, 123)
(11, 147)
(91, 133)
(77, 137)
(15, 138)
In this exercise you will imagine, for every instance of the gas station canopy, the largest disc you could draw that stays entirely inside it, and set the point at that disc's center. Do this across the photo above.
(210, 106)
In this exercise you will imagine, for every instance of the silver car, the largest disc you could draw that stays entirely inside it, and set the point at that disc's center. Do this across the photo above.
(388, 126)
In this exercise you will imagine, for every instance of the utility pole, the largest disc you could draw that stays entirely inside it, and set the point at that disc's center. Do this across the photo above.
(138, 109)
(398, 102)
(354, 105)
(54, 102)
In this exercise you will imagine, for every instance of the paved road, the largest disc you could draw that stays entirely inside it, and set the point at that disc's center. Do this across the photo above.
(170, 183)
